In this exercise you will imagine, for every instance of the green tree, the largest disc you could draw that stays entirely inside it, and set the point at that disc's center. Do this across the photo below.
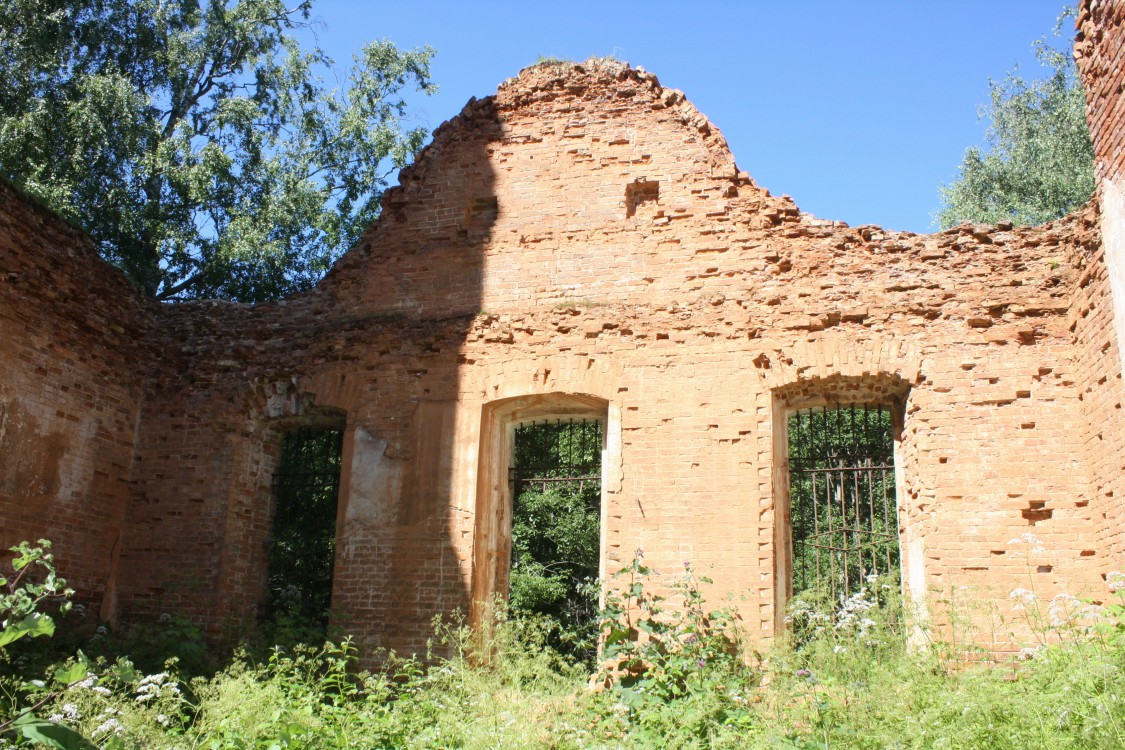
(1039, 162)
(197, 141)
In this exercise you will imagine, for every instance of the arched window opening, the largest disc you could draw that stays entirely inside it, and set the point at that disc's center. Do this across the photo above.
(546, 463)
(305, 491)
(555, 481)
(842, 501)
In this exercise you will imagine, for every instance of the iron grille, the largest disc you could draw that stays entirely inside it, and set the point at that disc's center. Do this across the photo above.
(558, 452)
(305, 489)
(556, 522)
(842, 498)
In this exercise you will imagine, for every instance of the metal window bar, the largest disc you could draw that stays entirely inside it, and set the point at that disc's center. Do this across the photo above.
(556, 452)
(305, 488)
(556, 504)
(844, 519)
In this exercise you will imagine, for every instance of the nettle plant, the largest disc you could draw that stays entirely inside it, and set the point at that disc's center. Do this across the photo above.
(672, 654)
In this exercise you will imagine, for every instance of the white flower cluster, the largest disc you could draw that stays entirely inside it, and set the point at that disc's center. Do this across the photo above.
(804, 613)
(154, 685)
(851, 615)
(68, 712)
(1023, 599)
(1031, 541)
(112, 725)
(1115, 579)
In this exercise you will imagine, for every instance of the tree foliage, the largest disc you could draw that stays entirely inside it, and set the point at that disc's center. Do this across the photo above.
(1039, 162)
(197, 141)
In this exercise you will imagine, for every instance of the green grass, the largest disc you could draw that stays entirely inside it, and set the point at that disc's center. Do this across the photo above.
(843, 679)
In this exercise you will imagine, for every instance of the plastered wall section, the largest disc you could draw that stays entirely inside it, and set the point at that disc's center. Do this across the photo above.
(72, 360)
(586, 232)
(1100, 322)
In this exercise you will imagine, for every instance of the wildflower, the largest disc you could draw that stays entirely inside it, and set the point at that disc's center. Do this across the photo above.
(1063, 609)
(1027, 653)
(101, 630)
(163, 720)
(1115, 579)
(838, 649)
(86, 683)
(153, 685)
(164, 618)
(110, 725)
(1026, 538)
(1022, 598)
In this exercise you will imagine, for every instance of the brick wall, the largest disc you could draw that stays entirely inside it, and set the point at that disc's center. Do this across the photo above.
(1100, 303)
(585, 237)
(586, 231)
(72, 359)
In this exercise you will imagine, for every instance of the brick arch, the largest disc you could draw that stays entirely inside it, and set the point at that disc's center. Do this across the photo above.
(493, 517)
(838, 356)
(868, 377)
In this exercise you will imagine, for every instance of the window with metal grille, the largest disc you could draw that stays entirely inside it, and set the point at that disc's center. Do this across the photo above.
(305, 489)
(842, 503)
(555, 480)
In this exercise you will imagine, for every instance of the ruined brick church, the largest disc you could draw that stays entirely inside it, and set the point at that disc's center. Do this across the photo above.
(581, 245)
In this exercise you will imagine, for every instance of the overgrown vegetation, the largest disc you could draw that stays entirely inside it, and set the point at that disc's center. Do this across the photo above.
(675, 675)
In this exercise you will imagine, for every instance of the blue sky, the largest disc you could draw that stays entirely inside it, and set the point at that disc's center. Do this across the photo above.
(858, 110)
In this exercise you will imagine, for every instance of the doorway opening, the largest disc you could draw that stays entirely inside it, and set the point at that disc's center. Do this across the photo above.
(556, 488)
(303, 545)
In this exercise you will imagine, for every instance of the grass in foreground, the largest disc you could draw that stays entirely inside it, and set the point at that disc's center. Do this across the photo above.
(844, 680)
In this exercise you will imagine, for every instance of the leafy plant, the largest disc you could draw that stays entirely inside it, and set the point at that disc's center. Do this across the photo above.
(33, 585)
(665, 658)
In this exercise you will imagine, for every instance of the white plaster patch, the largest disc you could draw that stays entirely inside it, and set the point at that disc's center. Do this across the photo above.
(374, 478)
(1113, 237)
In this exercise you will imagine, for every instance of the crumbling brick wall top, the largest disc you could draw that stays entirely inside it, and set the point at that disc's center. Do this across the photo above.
(1099, 49)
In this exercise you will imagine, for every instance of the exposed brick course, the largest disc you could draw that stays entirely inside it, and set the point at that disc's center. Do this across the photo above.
(581, 240)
